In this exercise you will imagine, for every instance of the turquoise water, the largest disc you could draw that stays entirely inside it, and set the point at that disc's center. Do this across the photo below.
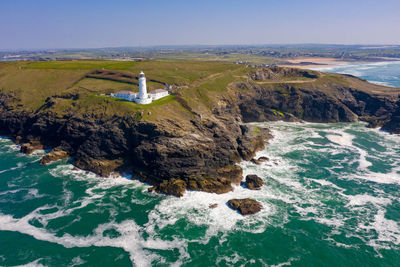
(331, 198)
(382, 73)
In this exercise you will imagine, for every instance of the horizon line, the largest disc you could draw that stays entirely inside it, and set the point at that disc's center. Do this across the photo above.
(192, 45)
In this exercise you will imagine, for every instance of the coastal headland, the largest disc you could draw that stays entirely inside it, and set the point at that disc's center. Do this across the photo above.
(191, 139)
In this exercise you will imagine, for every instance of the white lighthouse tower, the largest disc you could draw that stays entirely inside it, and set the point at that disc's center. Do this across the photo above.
(143, 97)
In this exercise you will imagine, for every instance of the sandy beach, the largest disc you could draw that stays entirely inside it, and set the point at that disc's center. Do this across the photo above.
(313, 62)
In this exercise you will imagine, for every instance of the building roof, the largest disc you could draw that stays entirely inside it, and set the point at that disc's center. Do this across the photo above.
(158, 91)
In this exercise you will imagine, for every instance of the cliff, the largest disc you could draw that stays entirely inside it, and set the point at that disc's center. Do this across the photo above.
(190, 140)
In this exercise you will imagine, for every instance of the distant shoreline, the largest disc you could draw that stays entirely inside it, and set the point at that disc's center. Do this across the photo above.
(322, 62)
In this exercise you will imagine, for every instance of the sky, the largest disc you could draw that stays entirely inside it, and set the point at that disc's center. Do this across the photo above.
(46, 24)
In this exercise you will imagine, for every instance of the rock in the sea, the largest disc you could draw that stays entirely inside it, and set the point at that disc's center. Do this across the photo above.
(175, 187)
(245, 206)
(29, 148)
(54, 155)
(260, 160)
(253, 182)
(213, 206)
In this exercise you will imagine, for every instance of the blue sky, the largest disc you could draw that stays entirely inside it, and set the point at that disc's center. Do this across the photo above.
(106, 23)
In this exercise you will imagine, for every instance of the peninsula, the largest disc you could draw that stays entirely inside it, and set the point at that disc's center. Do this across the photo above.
(193, 136)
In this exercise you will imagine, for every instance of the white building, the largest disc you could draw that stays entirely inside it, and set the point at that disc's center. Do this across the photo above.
(127, 95)
(142, 97)
(158, 93)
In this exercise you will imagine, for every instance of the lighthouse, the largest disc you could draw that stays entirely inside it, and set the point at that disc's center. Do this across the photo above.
(142, 86)
(143, 97)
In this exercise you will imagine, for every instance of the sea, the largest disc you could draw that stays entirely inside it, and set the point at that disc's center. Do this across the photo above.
(331, 198)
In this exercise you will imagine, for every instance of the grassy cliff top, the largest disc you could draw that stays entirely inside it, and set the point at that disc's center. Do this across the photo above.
(65, 87)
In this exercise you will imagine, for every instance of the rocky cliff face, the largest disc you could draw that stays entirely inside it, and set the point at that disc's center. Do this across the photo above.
(346, 101)
(199, 154)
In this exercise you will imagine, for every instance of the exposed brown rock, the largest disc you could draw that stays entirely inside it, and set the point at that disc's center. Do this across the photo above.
(174, 187)
(17, 139)
(54, 155)
(275, 73)
(213, 206)
(234, 173)
(211, 185)
(260, 160)
(253, 182)
(29, 148)
(245, 206)
(102, 167)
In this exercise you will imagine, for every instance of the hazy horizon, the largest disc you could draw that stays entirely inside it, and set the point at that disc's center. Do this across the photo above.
(45, 24)
(194, 46)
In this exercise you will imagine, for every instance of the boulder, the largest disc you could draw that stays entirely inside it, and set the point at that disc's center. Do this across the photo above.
(29, 148)
(245, 206)
(213, 206)
(260, 160)
(253, 182)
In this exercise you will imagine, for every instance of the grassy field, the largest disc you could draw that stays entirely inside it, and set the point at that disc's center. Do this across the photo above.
(33, 83)
(81, 65)
(171, 72)
(63, 87)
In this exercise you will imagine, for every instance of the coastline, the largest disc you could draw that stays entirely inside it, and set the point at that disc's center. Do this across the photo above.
(317, 63)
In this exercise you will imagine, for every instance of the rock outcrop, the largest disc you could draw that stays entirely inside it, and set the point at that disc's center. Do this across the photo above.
(54, 155)
(260, 160)
(198, 151)
(253, 182)
(246, 206)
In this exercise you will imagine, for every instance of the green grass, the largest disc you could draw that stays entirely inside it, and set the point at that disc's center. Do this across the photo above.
(256, 130)
(207, 85)
(277, 112)
(209, 91)
(171, 72)
(82, 65)
(101, 86)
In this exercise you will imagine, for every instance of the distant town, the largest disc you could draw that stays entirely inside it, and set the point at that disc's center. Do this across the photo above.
(258, 56)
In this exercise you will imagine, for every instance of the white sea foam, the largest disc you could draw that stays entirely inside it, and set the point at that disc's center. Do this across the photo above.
(233, 260)
(343, 139)
(363, 199)
(346, 139)
(194, 206)
(77, 261)
(130, 239)
(388, 231)
(381, 83)
(286, 263)
(34, 263)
